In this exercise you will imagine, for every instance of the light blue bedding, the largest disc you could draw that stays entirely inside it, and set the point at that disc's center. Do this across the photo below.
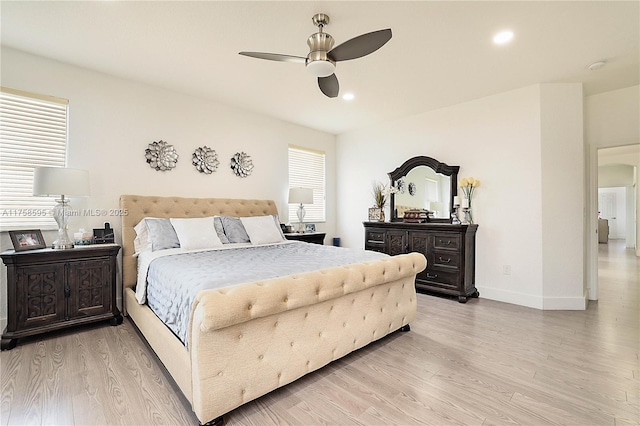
(173, 281)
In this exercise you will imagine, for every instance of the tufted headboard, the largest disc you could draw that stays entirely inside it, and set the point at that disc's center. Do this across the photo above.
(140, 206)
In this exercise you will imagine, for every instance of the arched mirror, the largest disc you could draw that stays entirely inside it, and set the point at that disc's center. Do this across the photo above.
(424, 183)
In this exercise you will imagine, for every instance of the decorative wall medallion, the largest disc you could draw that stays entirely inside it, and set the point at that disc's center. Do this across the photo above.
(401, 186)
(241, 164)
(205, 159)
(161, 156)
(412, 188)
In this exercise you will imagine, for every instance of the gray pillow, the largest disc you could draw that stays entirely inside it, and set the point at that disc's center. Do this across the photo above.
(234, 230)
(217, 224)
(162, 234)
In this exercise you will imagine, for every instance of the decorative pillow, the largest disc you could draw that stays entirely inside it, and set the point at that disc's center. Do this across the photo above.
(196, 233)
(234, 230)
(162, 234)
(262, 229)
(217, 224)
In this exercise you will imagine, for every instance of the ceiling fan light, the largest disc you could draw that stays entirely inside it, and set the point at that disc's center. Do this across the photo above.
(321, 68)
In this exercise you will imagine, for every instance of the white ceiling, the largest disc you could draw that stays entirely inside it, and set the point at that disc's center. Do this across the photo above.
(441, 53)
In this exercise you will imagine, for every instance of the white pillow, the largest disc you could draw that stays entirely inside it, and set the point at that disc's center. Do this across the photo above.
(262, 229)
(142, 241)
(196, 233)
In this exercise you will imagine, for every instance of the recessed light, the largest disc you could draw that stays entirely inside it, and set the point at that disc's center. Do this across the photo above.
(596, 65)
(348, 96)
(503, 37)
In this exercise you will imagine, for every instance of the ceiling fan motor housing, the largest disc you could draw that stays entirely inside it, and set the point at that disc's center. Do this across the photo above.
(318, 63)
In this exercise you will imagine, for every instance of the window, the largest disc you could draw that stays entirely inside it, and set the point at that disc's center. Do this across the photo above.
(33, 133)
(306, 170)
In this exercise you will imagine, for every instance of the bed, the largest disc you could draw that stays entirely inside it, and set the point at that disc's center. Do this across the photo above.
(247, 340)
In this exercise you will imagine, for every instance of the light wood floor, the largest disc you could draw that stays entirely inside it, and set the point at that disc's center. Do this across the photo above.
(483, 363)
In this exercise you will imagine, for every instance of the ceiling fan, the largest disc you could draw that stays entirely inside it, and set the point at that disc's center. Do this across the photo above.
(322, 57)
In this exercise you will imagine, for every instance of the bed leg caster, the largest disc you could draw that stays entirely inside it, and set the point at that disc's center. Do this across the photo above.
(405, 328)
(218, 421)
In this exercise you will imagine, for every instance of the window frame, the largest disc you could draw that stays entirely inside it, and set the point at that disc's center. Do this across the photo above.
(316, 212)
(34, 132)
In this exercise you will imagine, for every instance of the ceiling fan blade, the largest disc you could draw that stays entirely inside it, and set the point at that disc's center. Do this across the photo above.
(275, 57)
(360, 46)
(329, 85)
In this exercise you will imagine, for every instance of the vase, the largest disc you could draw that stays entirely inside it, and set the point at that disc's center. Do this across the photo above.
(468, 217)
(466, 209)
(381, 216)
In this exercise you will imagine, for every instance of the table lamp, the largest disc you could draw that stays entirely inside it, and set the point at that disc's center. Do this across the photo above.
(61, 181)
(300, 196)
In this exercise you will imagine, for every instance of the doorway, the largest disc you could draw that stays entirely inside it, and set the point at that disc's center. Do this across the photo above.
(616, 171)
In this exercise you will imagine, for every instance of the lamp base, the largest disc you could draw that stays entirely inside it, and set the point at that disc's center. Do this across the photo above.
(56, 246)
(61, 213)
(301, 214)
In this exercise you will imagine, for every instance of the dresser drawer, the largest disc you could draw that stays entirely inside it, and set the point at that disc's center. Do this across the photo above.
(375, 237)
(438, 277)
(446, 241)
(446, 259)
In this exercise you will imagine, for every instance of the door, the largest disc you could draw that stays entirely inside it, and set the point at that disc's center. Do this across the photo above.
(611, 205)
(40, 295)
(90, 285)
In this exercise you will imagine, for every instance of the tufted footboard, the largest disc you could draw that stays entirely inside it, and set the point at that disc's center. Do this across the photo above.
(249, 340)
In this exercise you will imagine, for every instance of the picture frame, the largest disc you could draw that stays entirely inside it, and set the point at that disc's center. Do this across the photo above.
(375, 213)
(28, 239)
(310, 227)
(104, 235)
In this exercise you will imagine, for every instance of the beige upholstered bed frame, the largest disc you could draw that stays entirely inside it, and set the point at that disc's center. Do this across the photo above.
(248, 340)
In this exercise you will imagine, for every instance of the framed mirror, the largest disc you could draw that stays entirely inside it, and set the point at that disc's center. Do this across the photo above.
(424, 183)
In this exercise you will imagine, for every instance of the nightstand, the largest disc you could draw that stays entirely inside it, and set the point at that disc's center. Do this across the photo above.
(307, 237)
(51, 289)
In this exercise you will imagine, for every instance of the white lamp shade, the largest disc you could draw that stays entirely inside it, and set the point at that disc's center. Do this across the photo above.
(60, 181)
(300, 196)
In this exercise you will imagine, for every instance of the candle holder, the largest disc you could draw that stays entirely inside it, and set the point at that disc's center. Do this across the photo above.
(454, 215)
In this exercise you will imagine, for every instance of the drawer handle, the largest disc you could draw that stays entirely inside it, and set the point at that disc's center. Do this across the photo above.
(444, 260)
(448, 243)
(432, 276)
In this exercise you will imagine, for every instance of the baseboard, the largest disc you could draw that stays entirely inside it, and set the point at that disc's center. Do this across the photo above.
(566, 303)
(533, 301)
(512, 297)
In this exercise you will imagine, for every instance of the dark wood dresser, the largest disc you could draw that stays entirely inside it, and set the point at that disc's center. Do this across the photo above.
(53, 289)
(450, 251)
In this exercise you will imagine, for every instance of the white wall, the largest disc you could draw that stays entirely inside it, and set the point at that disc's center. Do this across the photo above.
(563, 200)
(615, 175)
(612, 118)
(111, 122)
(506, 142)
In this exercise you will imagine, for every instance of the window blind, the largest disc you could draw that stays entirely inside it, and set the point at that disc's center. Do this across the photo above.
(307, 170)
(33, 133)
